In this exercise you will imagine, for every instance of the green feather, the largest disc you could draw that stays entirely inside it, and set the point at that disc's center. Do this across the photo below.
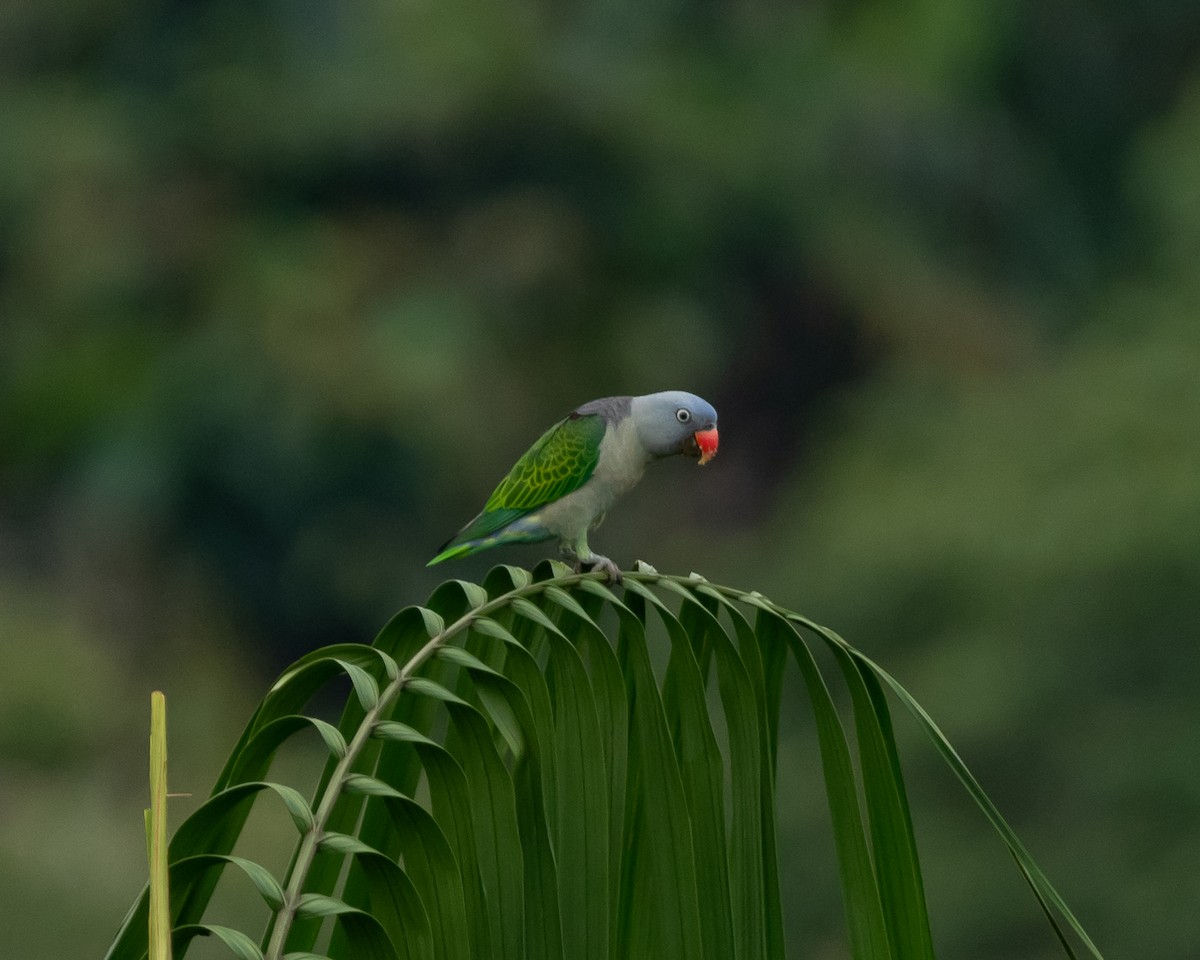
(559, 463)
(461, 550)
(482, 526)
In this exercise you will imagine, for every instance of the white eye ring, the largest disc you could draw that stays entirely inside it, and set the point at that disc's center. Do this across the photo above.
(682, 415)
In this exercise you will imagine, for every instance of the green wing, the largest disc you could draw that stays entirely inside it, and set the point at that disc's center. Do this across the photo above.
(561, 461)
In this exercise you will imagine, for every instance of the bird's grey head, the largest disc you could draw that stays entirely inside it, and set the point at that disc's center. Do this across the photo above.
(668, 423)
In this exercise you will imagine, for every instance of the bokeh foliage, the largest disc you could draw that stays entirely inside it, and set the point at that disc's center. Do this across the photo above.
(285, 287)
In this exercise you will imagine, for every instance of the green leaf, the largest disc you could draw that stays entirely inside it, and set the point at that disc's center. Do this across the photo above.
(508, 706)
(365, 686)
(296, 805)
(400, 732)
(526, 674)
(399, 762)
(670, 586)
(395, 903)
(249, 762)
(761, 657)
(334, 741)
(597, 589)
(498, 708)
(702, 773)
(558, 569)
(365, 937)
(641, 590)
(660, 905)
(560, 596)
(475, 594)
(747, 760)
(434, 623)
(487, 627)
(240, 945)
(296, 684)
(264, 881)
(364, 934)
(860, 891)
(534, 614)
(369, 786)
(612, 715)
(270, 737)
(434, 872)
(518, 577)
(496, 830)
(1041, 886)
(758, 916)
(396, 762)
(193, 835)
(211, 829)
(341, 843)
(897, 866)
(460, 657)
(319, 905)
(581, 817)
(428, 688)
(403, 637)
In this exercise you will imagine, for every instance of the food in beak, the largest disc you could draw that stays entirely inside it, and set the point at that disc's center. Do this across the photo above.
(706, 443)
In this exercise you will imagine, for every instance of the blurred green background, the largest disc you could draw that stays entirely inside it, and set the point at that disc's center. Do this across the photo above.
(286, 286)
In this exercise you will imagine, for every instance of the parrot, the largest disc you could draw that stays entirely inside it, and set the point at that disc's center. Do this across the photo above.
(565, 483)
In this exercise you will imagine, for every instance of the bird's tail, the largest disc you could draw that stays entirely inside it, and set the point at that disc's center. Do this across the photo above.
(522, 529)
(458, 550)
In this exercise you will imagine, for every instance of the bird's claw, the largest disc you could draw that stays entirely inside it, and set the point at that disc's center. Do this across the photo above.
(602, 564)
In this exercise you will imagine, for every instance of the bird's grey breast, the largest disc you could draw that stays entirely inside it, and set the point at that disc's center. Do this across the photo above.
(622, 458)
(622, 462)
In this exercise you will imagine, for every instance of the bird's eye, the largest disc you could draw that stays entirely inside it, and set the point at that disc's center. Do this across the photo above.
(682, 415)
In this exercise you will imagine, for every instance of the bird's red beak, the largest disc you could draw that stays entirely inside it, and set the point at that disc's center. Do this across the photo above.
(706, 440)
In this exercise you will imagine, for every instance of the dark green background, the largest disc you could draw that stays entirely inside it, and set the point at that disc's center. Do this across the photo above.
(285, 288)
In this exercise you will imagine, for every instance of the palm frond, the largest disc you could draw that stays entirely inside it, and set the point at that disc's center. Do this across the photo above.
(510, 778)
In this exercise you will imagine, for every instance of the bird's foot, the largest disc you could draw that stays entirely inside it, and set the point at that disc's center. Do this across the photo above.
(603, 564)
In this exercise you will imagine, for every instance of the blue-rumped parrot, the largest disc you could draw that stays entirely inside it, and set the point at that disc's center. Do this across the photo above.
(563, 485)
